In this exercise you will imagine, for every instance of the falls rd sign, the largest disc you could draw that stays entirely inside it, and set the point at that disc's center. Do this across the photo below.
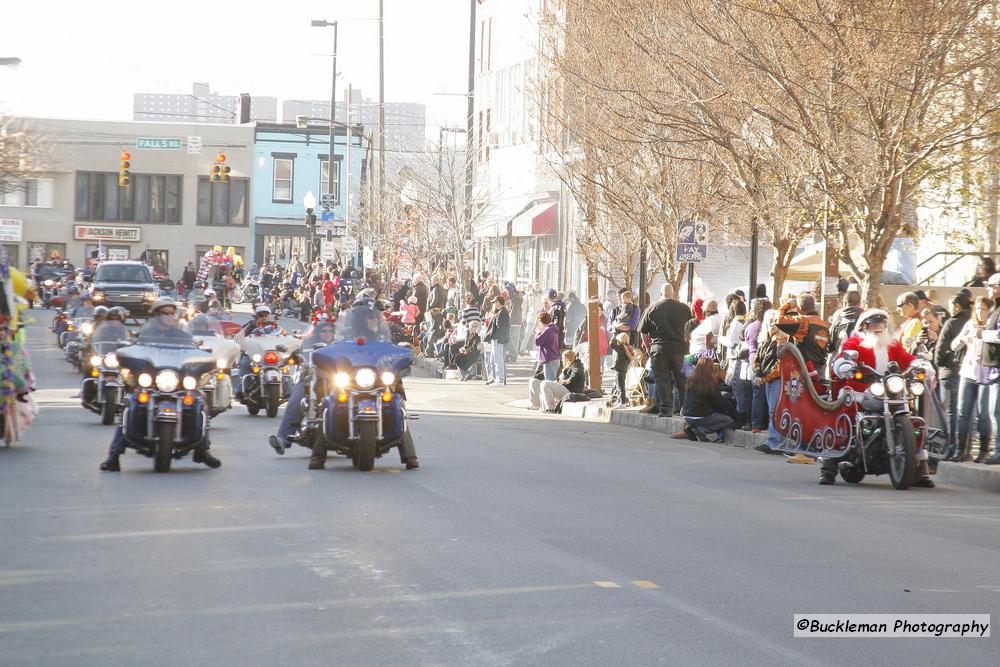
(158, 144)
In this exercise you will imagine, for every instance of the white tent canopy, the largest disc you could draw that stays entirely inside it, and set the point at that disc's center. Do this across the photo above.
(808, 264)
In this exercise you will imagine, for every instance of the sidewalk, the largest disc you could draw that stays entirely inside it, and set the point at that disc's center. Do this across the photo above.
(515, 394)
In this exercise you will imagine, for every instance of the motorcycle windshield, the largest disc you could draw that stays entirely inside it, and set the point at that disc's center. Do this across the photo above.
(203, 325)
(146, 357)
(110, 332)
(156, 333)
(345, 355)
(364, 323)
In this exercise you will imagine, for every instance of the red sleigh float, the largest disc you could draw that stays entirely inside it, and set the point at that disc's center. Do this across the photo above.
(811, 424)
(816, 426)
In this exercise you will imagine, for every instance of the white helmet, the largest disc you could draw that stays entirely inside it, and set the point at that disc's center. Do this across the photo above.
(869, 316)
(209, 293)
(162, 302)
(261, 310)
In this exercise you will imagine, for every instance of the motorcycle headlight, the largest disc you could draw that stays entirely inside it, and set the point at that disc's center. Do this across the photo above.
(95, 360)
(145, 380)
(111, 360)
(895, 384)
(877, 389)
(49, 283)
(167, 381)
(189, 382)
(255, 358)
(87, 328)
(365, 378)
(341, 379)
(917, 388)
(388, 378)
(221, 363)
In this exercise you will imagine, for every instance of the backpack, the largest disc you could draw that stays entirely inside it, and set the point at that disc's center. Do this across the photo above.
(843, 329)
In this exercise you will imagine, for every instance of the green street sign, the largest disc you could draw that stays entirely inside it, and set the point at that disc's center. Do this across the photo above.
(158, 144)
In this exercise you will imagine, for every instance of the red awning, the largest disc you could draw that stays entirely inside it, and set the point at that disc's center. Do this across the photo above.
(539, 220)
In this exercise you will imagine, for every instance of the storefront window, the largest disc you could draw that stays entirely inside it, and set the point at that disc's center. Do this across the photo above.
(281, 250)
(46, 251)
(10, 253)
(111, 252)
(158, 259)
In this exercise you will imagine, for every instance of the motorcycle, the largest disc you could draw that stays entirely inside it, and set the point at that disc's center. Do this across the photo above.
(48, 290)
(271, 376)
(165, 417)
(102, 391)
(876, 433)
(77, 342)
(217, 386)
(248, 290)
(363, 408)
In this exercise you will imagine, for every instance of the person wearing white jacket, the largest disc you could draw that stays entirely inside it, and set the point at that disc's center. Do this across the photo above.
(737, 358)
(974, 382)
(712, 324)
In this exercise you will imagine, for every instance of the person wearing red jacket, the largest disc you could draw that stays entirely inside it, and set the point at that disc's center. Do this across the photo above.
(875, 348)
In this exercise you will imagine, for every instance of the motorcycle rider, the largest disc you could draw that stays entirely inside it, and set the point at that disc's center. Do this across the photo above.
(875, 347)
(111, 330)
(260, 325)
(364, 320)
(162, 327)
(322, 334)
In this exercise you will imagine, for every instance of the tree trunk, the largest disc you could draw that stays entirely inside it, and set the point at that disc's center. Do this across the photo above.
(784, 249)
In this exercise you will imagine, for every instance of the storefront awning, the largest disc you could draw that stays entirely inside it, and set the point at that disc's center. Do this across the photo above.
(539, 220)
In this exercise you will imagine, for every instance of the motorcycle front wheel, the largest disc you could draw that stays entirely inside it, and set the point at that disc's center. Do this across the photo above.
(365, 448)
(109, 405)
(903, 461)
(236, 296)
(273, 399)
(164, 447)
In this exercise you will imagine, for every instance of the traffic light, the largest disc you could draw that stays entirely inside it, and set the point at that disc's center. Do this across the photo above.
(124, 175)
(220, 171)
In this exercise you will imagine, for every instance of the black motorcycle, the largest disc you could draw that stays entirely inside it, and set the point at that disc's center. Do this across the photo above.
(887, 435)
(164, 418)
(102, 390)
(311, 427)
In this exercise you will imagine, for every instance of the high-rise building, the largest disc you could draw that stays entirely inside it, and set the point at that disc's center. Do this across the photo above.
(405, 122)
(201, 106)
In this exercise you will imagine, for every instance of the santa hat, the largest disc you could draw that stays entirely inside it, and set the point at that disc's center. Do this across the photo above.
(871, 314)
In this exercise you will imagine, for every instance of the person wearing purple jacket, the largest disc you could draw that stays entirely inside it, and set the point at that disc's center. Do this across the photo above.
(547, 340)
(758, 400)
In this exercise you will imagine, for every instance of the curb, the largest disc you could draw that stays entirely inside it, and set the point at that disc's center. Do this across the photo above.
(970, 476)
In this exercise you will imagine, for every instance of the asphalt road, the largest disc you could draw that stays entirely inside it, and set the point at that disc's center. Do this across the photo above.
(523, 539)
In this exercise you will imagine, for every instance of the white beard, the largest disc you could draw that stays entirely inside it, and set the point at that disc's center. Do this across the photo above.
(880, 344)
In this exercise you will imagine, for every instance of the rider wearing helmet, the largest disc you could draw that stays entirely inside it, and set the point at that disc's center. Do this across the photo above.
(876, 348)
(162, 327)
(100, 314)
(321, 335)
(260, 325)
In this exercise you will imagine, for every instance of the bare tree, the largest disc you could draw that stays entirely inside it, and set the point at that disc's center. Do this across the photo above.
(19, 155)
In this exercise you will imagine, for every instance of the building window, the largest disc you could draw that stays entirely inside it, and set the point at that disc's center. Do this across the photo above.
(282, 189)
(150, 198)
(325, 175)
(33, 192)
(222, 203)
(46, 251)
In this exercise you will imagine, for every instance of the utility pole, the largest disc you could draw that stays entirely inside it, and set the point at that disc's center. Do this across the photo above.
(752, 292)
(470, 128)
(347, 202)
(381, 111)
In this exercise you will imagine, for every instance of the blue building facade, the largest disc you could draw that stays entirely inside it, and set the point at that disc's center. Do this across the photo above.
(288, 162)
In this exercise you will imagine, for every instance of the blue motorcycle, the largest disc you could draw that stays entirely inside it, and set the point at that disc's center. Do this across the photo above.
(358, 382)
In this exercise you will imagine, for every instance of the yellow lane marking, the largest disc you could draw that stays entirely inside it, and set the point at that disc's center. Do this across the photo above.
(642, 583)
(607, 584)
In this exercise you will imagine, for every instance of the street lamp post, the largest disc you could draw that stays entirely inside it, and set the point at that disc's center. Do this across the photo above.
(320, 23)
(309, 202)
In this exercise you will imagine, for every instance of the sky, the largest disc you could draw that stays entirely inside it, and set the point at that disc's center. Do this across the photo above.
(86, 59)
